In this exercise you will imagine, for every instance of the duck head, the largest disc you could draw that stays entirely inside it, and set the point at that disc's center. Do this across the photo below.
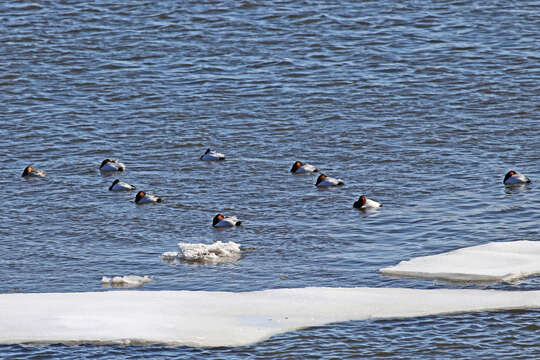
(509, 175)
(104, 162)
(139, 196)
(27, 170)
(217, 219)
(296, 166)
(113, 183)
(360, 202)
(320, 178)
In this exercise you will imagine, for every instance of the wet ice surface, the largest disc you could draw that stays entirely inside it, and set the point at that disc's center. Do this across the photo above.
(500, 261)
(205, 318)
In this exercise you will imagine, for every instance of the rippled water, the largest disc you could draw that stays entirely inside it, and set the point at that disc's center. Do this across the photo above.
(424, 107)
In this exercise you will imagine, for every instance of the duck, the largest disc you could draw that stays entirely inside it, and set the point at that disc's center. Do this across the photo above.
(118, 185)
(112, 165)
(324, 180)
(211, 155)
(513, 177)
(364, 203)
(144, 198)
(301, 168)
(225, 221)
(29, 171)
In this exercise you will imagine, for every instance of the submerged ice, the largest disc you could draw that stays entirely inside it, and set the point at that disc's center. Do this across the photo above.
(495, 261)
(203, 318)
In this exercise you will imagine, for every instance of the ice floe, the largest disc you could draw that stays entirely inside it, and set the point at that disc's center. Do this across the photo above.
(125, 281)
(170, 255)
(496, 261)
(216, 252)
(204, 318)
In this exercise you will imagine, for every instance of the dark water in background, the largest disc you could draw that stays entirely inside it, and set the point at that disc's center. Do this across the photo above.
(424, 107)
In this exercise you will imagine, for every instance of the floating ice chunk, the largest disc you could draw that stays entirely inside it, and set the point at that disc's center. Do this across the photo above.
(496, 261)
(204, 318)
(170, 255)
(217, 252)
(125, 281)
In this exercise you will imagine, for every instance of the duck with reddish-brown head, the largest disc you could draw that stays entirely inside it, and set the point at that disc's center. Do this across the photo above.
(29, 171)
(364, 203)
(302, 168)
(325, 181)
(225, 221)
(144, 198)
(514, 178)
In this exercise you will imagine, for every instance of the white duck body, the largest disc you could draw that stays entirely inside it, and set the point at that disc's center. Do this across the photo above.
(211, 155)
(513, 178)
(112, 165)
(118, 185)
(371, 204)
(325, 181)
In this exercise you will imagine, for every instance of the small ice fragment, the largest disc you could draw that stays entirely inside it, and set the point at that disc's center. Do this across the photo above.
(169, 255)
(126, 281)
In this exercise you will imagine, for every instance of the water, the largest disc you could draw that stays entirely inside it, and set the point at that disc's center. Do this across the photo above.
(423, 107)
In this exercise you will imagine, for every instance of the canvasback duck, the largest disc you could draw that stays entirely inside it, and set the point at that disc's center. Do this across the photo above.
(118, 185)
(364, 203)
(144, 198)
(222, 221)
(301, 168)
(211, 155)
(29, 171)
(112, 165)
(324, 180)
(513, 177)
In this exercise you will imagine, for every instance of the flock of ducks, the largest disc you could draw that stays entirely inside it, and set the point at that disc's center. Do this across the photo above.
(363, 203)
(142, 197)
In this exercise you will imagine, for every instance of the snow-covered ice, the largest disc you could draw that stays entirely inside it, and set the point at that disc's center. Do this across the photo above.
(216, 252)
(125, 281)
(203, 318)
(495, 261)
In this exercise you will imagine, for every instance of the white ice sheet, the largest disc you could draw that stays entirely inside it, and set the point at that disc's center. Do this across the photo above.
(496, 261)
(201, 318)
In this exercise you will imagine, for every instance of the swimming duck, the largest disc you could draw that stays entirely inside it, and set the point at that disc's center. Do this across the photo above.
(144, 198)
(118, 185)
(211, 155)
(112, 165)
(30, 171)
(364, 203)
(324, 180)
(300, 168)
(513, 177)
(222, 221)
